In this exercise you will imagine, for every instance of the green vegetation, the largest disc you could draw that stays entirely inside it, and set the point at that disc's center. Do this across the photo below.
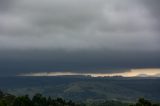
(39, 100)
(143, 102)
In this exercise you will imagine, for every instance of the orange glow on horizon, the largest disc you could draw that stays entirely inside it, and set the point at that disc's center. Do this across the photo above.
(149, 72)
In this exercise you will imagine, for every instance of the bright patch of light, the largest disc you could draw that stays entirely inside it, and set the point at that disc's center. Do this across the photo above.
(132, 73)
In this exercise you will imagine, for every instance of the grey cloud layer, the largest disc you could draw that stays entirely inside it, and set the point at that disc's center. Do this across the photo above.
(78, 24)
(105, 29)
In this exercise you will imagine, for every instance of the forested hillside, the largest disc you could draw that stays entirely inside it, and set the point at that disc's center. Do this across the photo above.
(80, 88)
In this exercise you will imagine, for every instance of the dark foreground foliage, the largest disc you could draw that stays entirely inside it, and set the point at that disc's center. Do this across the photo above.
(39, 100)
(143, 102)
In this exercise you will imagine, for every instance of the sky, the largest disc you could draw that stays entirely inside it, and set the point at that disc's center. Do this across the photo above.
(79, 36)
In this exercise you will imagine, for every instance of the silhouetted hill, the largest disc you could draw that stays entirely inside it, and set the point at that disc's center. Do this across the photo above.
(82, 88)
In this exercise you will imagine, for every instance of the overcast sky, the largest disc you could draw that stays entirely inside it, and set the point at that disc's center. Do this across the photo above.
(78, 35)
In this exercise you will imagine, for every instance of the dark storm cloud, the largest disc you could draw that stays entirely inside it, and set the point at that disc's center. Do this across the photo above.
(79, 61)
(78, 35)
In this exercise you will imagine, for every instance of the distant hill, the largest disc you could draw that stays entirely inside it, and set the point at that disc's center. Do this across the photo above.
(81, 88)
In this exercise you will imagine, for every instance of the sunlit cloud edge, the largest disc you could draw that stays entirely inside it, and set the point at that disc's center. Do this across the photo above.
(150, 72)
